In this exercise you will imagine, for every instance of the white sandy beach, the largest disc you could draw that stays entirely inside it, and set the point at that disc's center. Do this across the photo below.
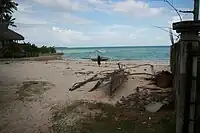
(17, 116)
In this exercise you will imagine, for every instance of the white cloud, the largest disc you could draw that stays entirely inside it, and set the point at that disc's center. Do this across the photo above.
(69, 18)
(184, 16)
(136, 8)
(118, 27)
(63, 5)
(159, 38)
(26, 20)
(27, 15)
(130, 7)
(53, 35)
(24, 8)
(176, 18)
(49, 27)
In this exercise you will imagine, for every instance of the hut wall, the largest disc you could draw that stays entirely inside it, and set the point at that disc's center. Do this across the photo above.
(182, 62)
(178, 68)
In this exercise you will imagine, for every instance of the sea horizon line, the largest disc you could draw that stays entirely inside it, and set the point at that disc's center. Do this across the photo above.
(112, 46)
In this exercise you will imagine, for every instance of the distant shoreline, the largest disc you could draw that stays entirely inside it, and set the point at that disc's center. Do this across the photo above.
(118, 53)
(45, 58)
(108, 47)
(88, 59)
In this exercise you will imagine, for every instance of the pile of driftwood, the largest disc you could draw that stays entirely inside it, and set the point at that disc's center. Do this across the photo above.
(115, 78)
(145, 96)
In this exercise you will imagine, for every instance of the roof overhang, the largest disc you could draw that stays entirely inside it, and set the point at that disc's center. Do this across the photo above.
(8, 34)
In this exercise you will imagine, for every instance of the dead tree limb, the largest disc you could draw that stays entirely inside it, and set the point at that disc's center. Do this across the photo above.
(140, 66)
(155, 89)
(105, 71)
(149, 88)
(79, 84)
(96, 85)
(152, 67)
(87, 73)
(141, 74)
(117, 79)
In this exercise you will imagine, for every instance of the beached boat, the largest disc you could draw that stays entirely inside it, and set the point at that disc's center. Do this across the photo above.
(98, 53)
(102, 59)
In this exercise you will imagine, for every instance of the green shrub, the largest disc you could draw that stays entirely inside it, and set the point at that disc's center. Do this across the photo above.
(27, 50)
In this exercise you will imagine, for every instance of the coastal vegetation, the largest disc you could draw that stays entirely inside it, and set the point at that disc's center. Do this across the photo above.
(10, 48)
(28, 47)
(27, 50)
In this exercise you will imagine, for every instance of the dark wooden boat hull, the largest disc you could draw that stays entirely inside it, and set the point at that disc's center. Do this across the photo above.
(102, 59)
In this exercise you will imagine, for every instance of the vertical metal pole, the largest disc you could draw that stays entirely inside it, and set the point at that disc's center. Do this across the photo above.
(196, 10)
(1, 8)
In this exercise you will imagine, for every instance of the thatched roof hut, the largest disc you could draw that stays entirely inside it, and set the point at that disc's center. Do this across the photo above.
(7, 34)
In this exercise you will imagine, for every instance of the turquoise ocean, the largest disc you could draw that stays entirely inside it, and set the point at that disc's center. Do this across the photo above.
(118, 53)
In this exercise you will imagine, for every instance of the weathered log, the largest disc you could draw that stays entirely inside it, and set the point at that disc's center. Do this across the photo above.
(96, 85)
(152, 67)
(161, 92)
(79, 84)
(149, 74)
(149, 88)
(117, 79)
(87, 73)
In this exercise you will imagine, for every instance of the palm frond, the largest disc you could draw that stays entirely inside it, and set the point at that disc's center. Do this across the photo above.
(6, 10)
(13, 25)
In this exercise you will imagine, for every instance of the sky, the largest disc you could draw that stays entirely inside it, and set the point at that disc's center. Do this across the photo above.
(97, 23)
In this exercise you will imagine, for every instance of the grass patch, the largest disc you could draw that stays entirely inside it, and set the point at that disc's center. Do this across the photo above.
(60, 112)
(110, 119)
(29, 89)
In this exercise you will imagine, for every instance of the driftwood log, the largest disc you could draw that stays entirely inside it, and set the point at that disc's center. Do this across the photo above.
(79, 84)
(117, 77)
(96, 85)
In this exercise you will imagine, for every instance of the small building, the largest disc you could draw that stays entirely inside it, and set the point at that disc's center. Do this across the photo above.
(8, 37)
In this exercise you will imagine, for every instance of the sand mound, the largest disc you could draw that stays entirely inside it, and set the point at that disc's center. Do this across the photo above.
(29, 90)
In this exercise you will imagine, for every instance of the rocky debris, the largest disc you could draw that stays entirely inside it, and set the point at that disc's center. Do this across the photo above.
(164, 79)
(144, 97)
(154, 107)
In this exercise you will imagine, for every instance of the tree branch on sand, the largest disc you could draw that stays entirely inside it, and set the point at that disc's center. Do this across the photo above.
(79, 84)
(115, 77)
(97, 85)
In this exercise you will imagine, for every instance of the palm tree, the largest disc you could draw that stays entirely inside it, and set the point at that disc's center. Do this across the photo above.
(9, 20)
(7, 7)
